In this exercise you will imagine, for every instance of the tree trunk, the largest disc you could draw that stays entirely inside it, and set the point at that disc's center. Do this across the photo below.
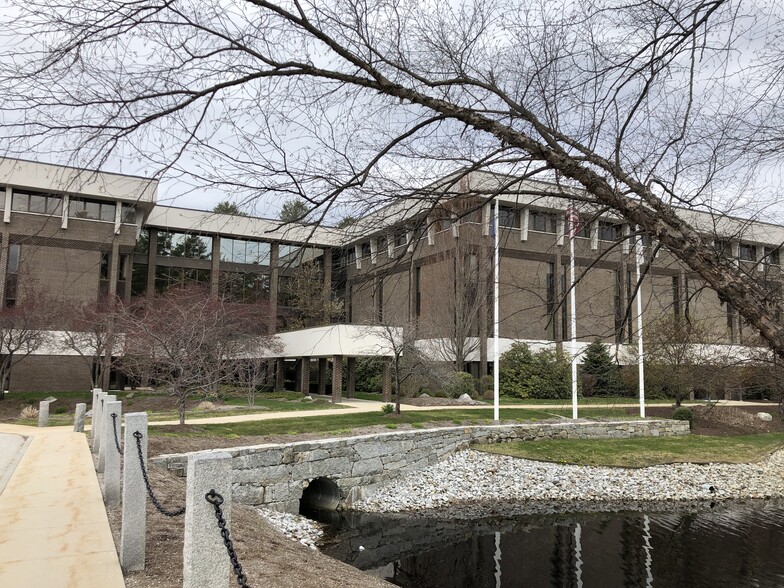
(182, 414)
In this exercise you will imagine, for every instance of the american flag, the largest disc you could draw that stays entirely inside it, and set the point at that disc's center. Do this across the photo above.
(572, 221)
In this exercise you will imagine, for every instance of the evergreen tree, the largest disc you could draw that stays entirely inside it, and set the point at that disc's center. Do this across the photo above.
(226, 207)
(294, 211)
(601, 375)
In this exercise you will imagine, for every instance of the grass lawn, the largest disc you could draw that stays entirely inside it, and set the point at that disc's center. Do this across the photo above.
(342, 423)
(645, 451)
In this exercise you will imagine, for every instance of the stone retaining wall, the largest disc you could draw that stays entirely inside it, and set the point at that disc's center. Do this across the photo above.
(275, 475)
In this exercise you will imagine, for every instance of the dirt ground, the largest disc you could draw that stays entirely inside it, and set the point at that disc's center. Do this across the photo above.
(725, 420)
(268, 558)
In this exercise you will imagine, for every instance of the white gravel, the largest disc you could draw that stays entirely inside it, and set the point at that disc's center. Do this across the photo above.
(470, 476)
(295, 527)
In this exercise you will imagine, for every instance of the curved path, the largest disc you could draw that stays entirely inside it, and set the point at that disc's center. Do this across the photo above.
(54, 531)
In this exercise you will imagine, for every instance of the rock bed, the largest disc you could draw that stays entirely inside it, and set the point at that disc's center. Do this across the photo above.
(295, 527)
(471, 484)
(471, 476)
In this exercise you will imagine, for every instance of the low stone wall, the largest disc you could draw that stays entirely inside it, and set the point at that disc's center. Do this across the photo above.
(275, 475)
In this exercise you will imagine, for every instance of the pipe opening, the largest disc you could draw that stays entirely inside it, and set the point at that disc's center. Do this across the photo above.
(321, 494)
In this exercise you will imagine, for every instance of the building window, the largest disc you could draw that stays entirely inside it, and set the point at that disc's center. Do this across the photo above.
(36, 202)
(676, 296)
(139, 279)
(620, 315)
(168, 277)
(418, 291)
(722, 247)
(401, 238)
(380, 300)
(351, 255)
(12, 274)
(507, 217)
(771, 255)
(610, 231)
(92, 209)
(187, 245)
(128, 214)
(382, 243)
(543, 222)
(747, 252)
(365, 250)
(247, 287)
(550, 285)
(244, 251)
(103, 278)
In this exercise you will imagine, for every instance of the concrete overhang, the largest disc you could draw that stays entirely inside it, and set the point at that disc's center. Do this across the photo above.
(348, 340)
(46, 177)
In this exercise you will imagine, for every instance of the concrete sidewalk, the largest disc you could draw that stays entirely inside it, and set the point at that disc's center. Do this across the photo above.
(364, 406)
(54, 530)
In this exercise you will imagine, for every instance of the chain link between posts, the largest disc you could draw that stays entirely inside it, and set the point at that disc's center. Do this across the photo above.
(216, 500)
(114, 430)
(169, 513)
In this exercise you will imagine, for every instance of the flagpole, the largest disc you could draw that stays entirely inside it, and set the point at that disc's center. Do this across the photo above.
(572, 233)
(640, 364)
(496, 317)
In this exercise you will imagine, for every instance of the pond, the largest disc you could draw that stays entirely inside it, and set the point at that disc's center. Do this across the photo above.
(698, 545)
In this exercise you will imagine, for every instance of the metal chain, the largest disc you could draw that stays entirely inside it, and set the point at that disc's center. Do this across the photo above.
(114, 429)
(169, 513)
(216, 500)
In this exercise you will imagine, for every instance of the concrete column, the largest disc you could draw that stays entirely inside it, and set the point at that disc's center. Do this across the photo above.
(95, 421)
(114, 265)
(351, 379)
(280, 374)
(111, 473)
(205, 561)
(337, 378)
(322, 375)
(106, 443)
(81, 409)
(4, 251)
(304, 375)
(43, 413)
(386, 379)
(134, 496)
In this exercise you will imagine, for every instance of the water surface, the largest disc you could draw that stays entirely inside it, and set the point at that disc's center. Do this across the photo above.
(732, 545)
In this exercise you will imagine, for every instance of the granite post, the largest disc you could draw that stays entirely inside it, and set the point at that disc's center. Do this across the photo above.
(43, 413)
(204, 556)
(111, 473)
(104, 441)
(81, 409)
(95, 425)
(134, 495)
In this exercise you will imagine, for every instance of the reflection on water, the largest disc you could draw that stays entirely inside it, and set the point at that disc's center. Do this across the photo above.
(732, 545)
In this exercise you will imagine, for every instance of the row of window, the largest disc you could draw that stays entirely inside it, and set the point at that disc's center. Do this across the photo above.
(40, 203)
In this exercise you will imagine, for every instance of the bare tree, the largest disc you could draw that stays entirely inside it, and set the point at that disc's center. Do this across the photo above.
(184, 342)
(460, 284)
(23, 330)
(684, 356)
(646, 107)
(311, 298)
(91, 331)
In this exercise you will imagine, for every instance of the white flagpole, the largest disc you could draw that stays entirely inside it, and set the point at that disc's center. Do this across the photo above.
(496, 317)
(572, 233)
(640, 366)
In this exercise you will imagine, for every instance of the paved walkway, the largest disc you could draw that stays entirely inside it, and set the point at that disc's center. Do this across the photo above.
(358, 406)
(53, 527)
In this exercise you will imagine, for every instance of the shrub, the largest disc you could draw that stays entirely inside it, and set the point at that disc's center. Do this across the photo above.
(388, 408)
(440, 394)
(205, 405)
(527, 375)
(29, 412)
(60, 410)
(488, 395)
(683, 414)
(461, 383)
(485, 384)
(368, 375)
